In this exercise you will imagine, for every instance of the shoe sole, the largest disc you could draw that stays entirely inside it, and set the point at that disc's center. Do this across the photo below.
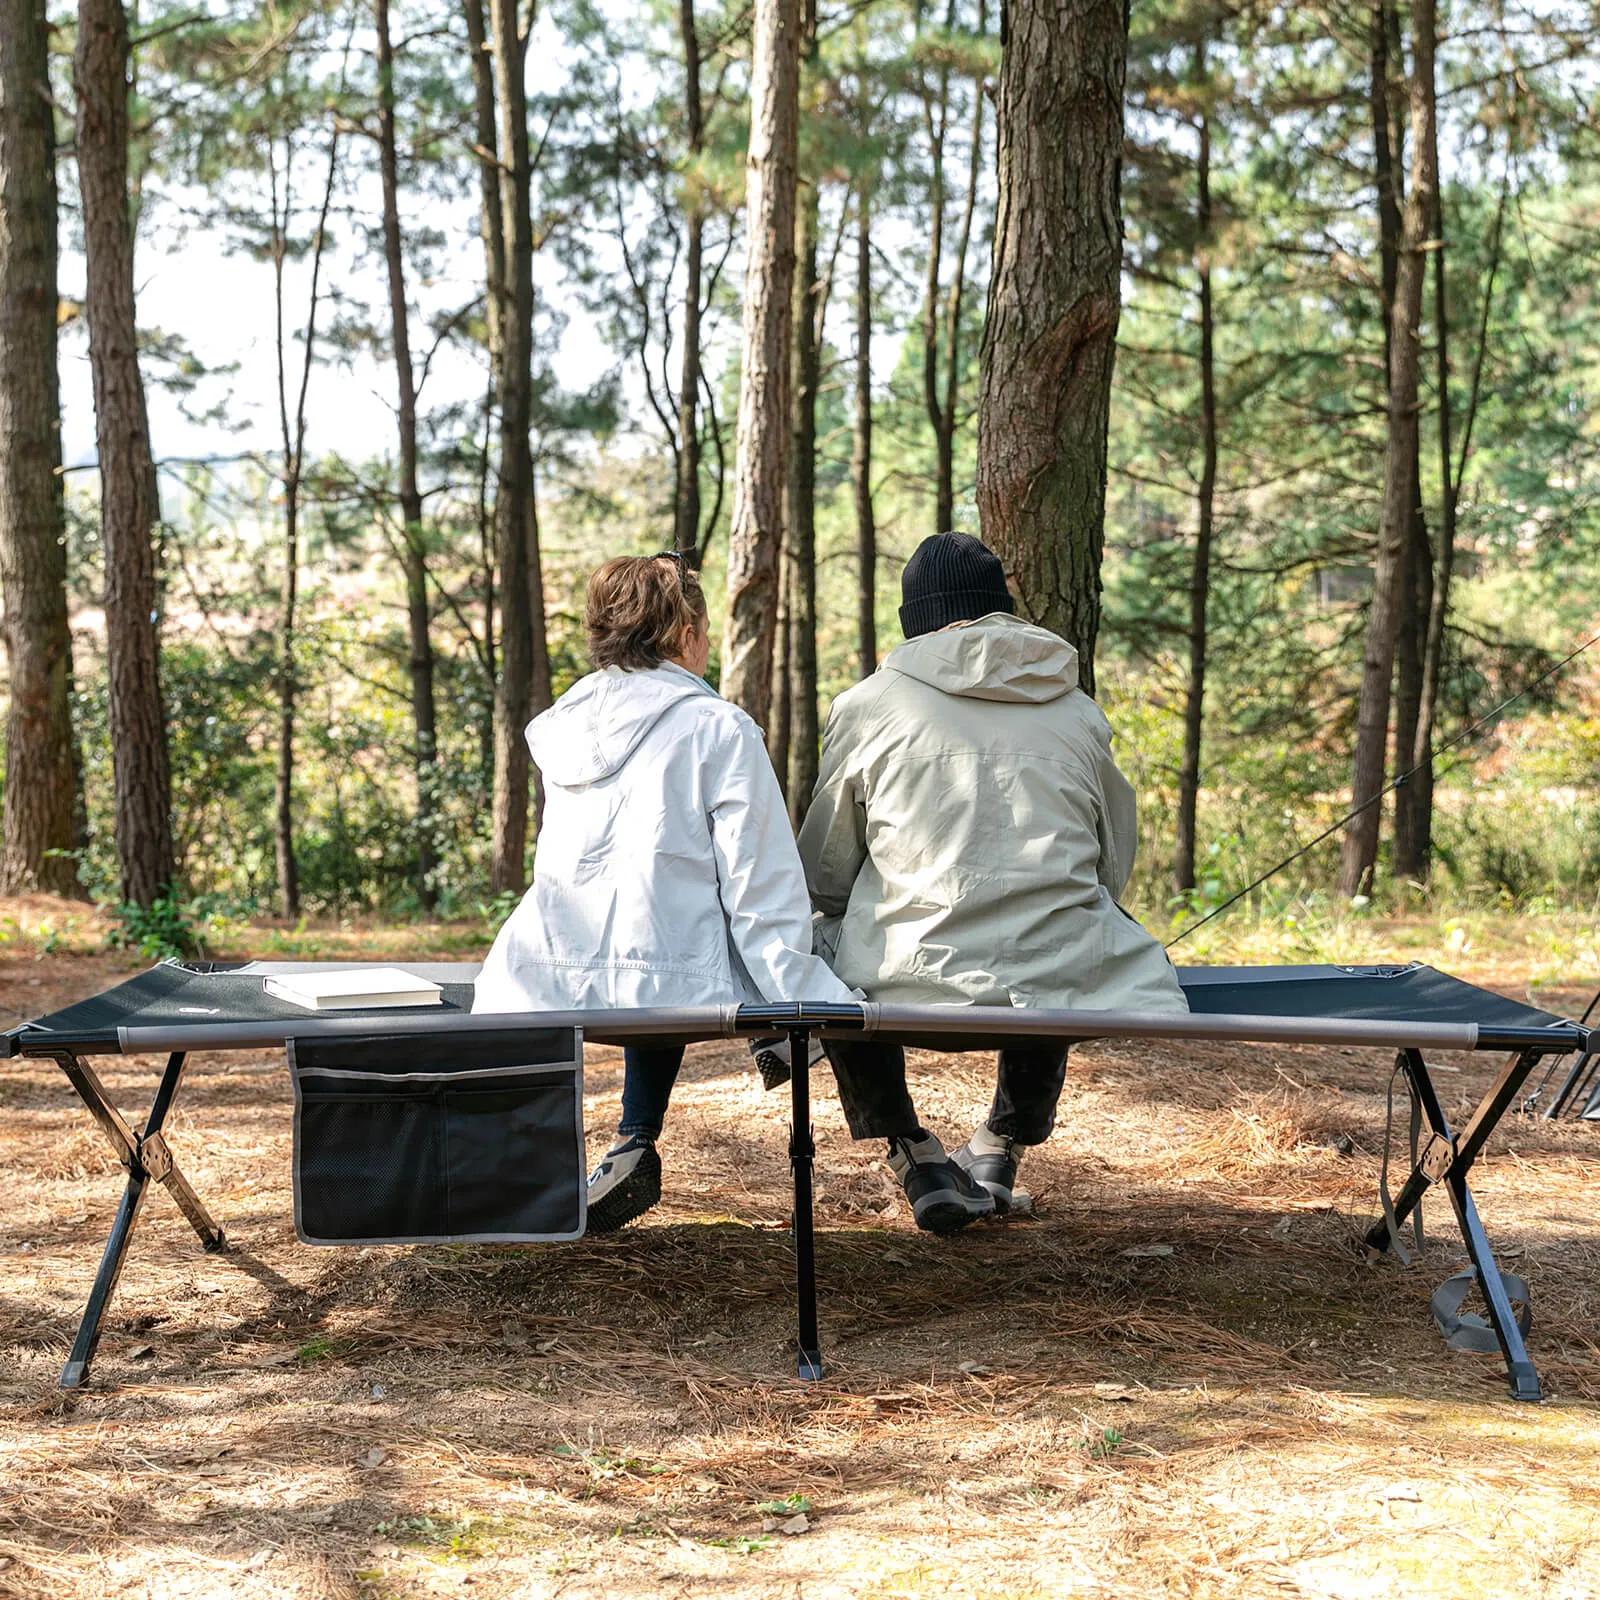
(635, 1195)
(773, 1068)
(1004, 1199)
(948, 1211)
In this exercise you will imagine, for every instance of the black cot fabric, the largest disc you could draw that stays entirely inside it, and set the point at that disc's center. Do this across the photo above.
(407, 1141)
(1374, 994)
(178, 992)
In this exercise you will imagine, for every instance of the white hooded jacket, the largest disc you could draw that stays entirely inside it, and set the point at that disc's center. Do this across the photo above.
(666, 873)
(970, 832)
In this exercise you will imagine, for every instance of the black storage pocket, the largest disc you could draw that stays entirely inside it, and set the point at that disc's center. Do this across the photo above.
(406, 1140)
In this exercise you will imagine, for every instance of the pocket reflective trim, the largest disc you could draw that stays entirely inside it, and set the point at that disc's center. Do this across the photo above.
(542, 1073)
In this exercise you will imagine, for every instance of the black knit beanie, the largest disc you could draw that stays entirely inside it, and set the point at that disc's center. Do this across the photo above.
(951, 577)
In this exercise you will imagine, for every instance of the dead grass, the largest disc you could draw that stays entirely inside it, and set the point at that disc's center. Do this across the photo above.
(1179, 1379)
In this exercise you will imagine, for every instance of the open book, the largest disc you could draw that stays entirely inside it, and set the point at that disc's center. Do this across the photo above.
(354, 989)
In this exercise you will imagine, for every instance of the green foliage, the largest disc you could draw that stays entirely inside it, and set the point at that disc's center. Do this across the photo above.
(234, 111)
(158, 932)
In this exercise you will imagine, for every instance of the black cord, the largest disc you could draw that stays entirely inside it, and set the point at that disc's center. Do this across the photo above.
(1387, 789)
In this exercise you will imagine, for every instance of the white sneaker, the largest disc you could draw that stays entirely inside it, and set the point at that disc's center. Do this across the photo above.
(625, 1185)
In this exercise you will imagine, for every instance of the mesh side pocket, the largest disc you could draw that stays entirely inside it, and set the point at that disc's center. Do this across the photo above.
(409, 1140)
(368, 1168)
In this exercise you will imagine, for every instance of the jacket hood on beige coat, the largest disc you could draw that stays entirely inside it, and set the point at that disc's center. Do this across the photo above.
(970, 832)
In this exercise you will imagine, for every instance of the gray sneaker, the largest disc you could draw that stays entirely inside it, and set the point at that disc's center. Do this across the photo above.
(943, 1198)
(995, 1171)
(625, 1185)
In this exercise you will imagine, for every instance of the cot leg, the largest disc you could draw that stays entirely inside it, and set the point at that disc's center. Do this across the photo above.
(76, 1372)
(802, 1154)
(1448, 1160)
(1572, 1086)
(146, 1157)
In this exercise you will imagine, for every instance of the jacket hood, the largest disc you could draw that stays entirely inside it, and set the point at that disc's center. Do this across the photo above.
(592, 730)
(998, 657)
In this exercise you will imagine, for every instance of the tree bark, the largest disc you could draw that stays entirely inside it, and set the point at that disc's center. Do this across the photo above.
(1360, 850)
(780, 720)
(762, 452)
(293, 432)
(129, 504)
(416, 562)
(800, 531)
(686, 498)
(486, 145)
(936, 120)
(861, 445)
(945, 435)
(37, 834)
(1412, 804)
(1054, 302)
(1183, 873)
(514, 487)
(1450, 477)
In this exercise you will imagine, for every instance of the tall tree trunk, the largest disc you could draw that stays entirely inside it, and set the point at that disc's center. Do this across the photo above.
(780, 721)
(491, 228)
(800, 531)
(936, 121)
(129, 505)
(283, 777)
(686, 499)
(1360, 850)
(1450, 477)
(416, 568)
(1054, 301)
(761, 467)
(1413, 801)
(293, 430)
(491, 218)
(861, 445)
(1183, 874)
(540, 696)
(514, 489)
(37, 834)
(945, 432)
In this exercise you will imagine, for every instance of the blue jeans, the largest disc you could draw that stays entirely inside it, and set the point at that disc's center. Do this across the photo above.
(648, 1074)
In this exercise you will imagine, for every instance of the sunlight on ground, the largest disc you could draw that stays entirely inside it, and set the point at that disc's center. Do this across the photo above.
(1180, 1379)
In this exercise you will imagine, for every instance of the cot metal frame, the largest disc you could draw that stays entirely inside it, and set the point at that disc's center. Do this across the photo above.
(1441, 1157)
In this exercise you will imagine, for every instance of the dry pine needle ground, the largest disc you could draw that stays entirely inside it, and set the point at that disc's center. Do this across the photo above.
(1178, 1379)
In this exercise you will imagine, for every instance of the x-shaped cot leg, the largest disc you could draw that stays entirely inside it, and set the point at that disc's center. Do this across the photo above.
(1447, 1160)
(146, 1157)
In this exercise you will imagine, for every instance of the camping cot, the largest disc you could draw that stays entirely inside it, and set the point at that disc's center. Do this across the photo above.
(434, 1123)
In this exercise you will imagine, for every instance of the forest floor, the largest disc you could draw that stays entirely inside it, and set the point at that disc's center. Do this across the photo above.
(1179, 1378)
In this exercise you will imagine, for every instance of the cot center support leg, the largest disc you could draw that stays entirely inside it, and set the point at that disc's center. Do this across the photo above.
(146, 1157)
(1447, 1160)
(802, 1156)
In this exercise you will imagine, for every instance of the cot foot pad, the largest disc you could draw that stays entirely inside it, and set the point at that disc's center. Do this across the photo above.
(1524, 1381)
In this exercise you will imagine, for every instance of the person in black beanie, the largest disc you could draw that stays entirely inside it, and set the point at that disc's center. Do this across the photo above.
(951, 578)
(967, 841)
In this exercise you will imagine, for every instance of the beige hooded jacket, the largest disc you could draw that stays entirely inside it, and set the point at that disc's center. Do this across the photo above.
(970, 832)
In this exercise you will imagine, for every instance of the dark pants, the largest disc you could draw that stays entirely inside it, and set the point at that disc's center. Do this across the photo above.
(877, 1105)
(648, 1074)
